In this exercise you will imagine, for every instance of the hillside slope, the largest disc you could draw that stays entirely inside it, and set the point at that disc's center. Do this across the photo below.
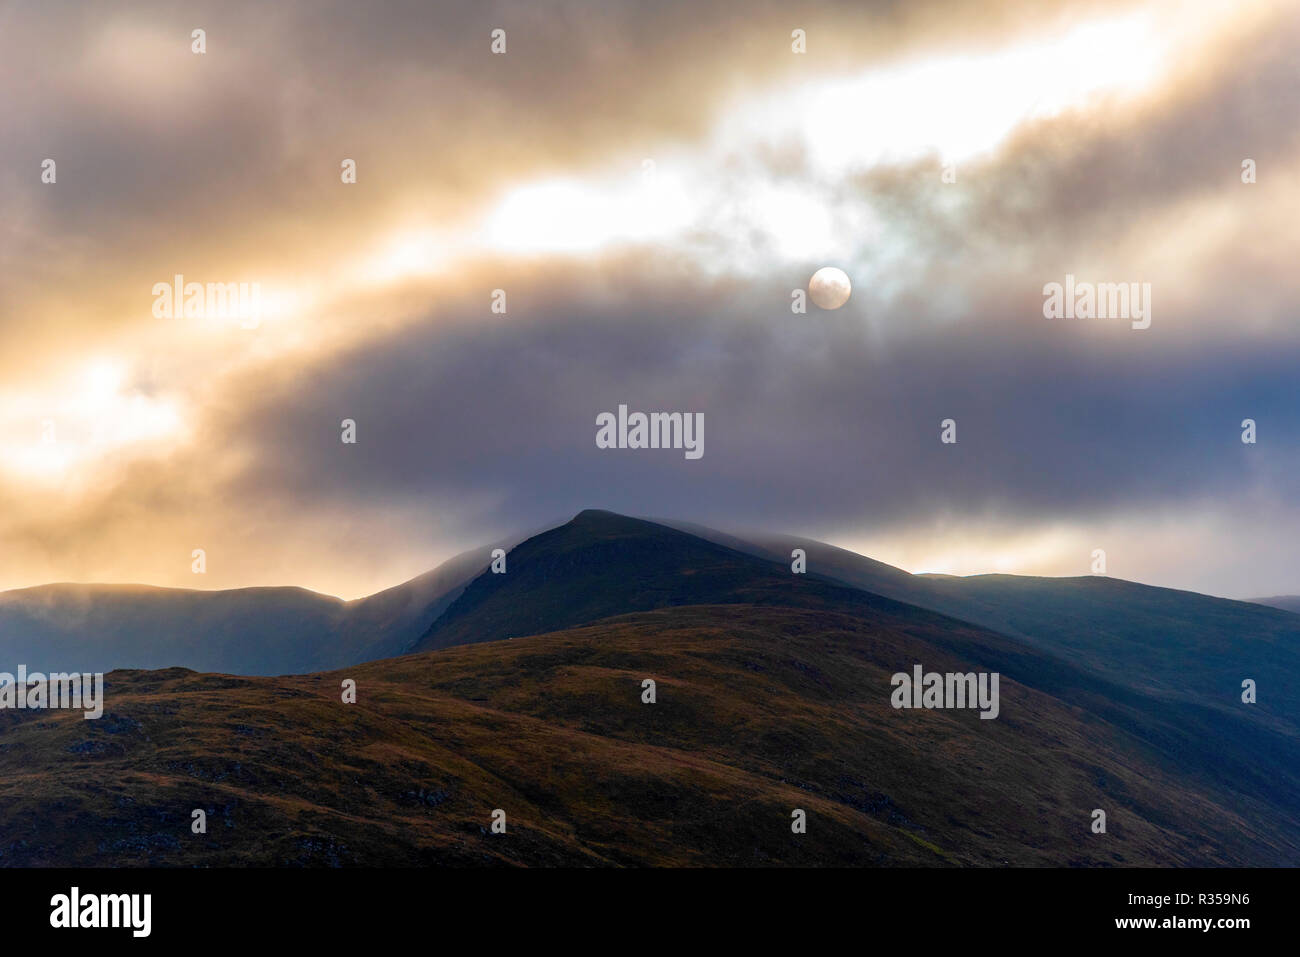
(760, 710)
(1186, 646)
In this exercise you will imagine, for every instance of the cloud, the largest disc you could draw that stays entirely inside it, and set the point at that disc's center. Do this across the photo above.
(473, 425)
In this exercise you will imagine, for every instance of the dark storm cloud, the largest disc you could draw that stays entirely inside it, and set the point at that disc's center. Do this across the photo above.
(472, 425)
(151, 135)
(229, 161)
(807, 421)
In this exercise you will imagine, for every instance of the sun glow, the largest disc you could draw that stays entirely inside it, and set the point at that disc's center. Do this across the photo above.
(1050, 550)
(956, 106)
(960, 106)
(80, 420)
(571, 216)
(720, 191)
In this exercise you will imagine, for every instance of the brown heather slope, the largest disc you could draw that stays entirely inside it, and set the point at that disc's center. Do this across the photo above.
(760, 710)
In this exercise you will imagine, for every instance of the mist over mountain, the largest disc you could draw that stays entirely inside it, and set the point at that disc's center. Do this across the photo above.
(381, 297)
(602, 564)
(1195, 647)
(243, 631)
(1285, 602)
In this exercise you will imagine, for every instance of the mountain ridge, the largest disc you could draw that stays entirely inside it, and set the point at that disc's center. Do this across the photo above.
(773, 692)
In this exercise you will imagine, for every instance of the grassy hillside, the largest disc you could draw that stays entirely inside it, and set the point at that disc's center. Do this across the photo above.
(1188, 647)
(760, 710)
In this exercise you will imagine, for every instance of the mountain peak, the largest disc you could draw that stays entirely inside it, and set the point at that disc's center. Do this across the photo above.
(598, 565)
(595, 515)
(603, 518)
(597, 524)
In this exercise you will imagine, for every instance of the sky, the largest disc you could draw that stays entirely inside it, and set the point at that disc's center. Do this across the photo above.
(623, 207)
